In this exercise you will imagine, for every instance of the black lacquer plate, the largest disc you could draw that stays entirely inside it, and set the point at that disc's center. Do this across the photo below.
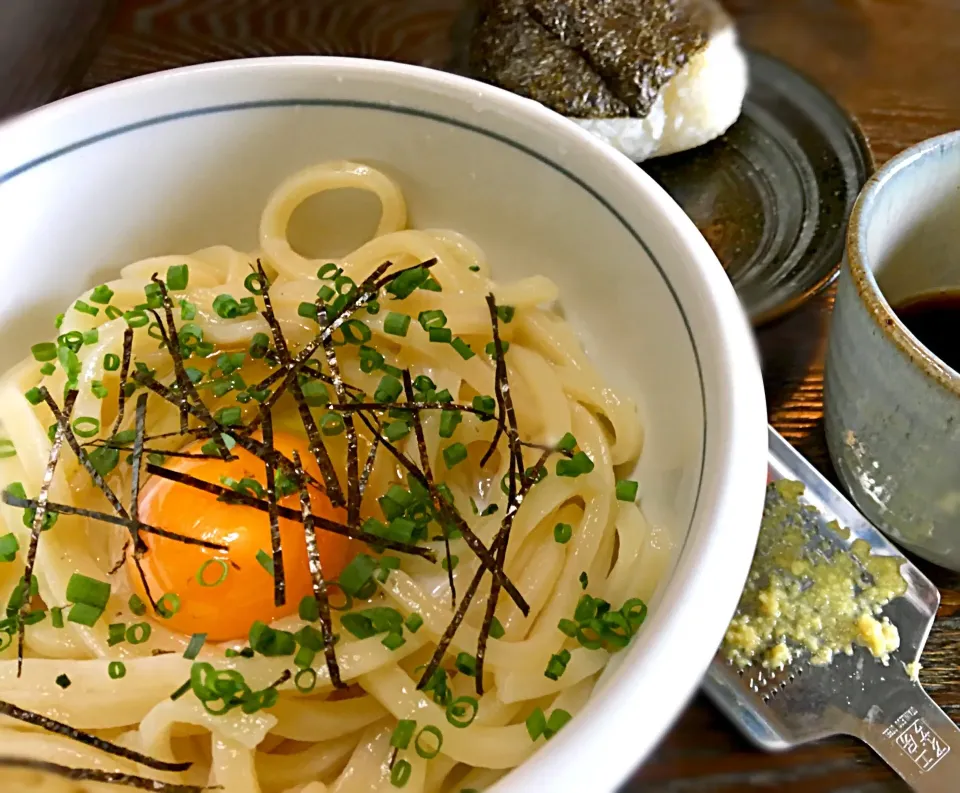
(773, 195)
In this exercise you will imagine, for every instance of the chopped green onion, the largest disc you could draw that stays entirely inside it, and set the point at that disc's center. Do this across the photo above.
(388, 389)
(584, 580)
(496, 629)
(86, 426)
(454, 454)
(396, 324)
(474, 268)
(253, 284)
(428, 742)
(195, 645)
(56, 617)
(84, 614)
(485, 404)
(393, 640)
(463, 349)
(413, 622)
(229, 416)
(567, 443)
(202, 578)
(562, 533)
(104, 459)
(226, 306)
(450, 563)
(91, 336)
(111, 362)
(403, 733)
(34, 396)
(331, 424)
(396, 430)
(113, 312)
(355, 332)
(356, 579)
(116, 670)
(328, 272)
(491, 348)
(269, 642)
(168, 605)
(579, 464)
(305, 681)
(400, 773)
(635, 612)
(440, 335)
(85, 308)
(370, 360)
(101, 294)
(505, 313)
(449, 419)
(63, 681)
(406, 282)
(568, 627)
(309, 608)
(116, 633)
(9, 545)
(178, 276)
(315, 393)
(558, 719)
(432, 319)
(467, 664)
(98, 389)
(536, 724)
(47, 369)
(259, 345)
(557, 665)
(627, 490)
(136, 318)
(266, 562)
(45, 351)
(90, 591)
(7, 449)
(137, 606)
(308, 311)
(462, 711)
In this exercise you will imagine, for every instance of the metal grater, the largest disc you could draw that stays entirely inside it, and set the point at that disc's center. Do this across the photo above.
(855, 695)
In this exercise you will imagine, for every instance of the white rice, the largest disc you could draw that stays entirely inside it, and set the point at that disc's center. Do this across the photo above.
(696, 106)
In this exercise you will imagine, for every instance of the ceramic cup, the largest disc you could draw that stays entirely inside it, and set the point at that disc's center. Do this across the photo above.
(892, 406)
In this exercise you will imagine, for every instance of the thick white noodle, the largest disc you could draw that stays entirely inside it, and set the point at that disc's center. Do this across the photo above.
(314, 743)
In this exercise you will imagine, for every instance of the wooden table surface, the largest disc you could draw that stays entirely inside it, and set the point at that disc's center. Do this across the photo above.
(892, 63)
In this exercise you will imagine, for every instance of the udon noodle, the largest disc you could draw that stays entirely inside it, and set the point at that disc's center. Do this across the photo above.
(575, 538)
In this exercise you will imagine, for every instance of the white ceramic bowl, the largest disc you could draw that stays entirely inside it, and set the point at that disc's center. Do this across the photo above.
(183, 159)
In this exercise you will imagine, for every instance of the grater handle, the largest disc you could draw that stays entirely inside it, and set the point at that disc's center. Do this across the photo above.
(914, 737)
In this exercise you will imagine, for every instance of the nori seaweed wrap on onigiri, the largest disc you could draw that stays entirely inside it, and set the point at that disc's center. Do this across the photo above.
(650, 77)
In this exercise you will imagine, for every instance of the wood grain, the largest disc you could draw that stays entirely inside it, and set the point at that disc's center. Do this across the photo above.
(892, 63)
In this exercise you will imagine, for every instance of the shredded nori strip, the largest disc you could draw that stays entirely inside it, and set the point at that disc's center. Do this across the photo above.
(279, 578)
(505, 400)
(353, 460)
(412, 405)
(438, 500)
(319, 583)
(333, 527)
(368, 467)
(467, 597)
(185, 387)
(450, 513)
(135, 459)
(98, 480)
(239, 435)
(39, 518)
(124, 374)
(104, 777)
(105, 517)
(58, 727)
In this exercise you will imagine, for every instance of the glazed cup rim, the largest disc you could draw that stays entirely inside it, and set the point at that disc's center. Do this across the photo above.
(863, 278)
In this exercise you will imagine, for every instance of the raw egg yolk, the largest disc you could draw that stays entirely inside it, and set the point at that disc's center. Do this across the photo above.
(227, 610)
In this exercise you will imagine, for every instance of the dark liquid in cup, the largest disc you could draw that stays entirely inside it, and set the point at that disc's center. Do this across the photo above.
(935, 320)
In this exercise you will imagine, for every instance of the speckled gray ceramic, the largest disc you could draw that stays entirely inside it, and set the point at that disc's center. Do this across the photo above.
(892, 407)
